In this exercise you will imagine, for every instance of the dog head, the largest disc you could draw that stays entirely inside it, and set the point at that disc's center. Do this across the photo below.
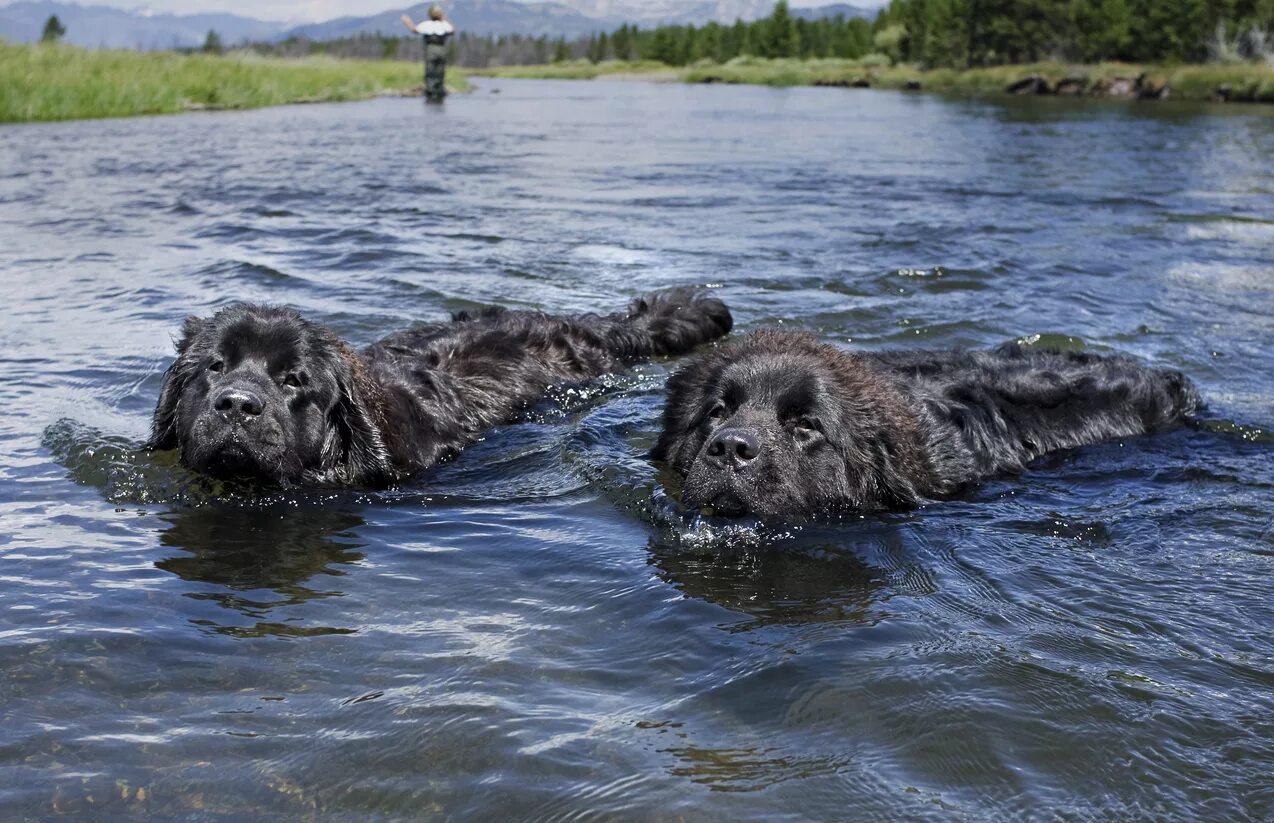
(779, 424)
(258, 392)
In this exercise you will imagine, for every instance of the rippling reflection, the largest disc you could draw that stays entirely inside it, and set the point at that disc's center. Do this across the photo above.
(780, 584)
(268, 557)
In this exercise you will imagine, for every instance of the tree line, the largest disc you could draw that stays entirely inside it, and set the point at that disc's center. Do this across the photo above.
(963, 33)
(966, 33)
(929, 33)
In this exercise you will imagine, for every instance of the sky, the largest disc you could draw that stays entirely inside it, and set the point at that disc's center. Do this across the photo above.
(302, 10)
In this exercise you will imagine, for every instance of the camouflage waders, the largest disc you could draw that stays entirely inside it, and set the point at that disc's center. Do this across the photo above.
(435, 71)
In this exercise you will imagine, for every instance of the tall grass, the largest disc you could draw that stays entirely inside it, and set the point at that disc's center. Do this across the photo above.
(59, 82)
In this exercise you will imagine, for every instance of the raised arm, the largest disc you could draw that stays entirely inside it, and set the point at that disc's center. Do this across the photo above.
(409, 23)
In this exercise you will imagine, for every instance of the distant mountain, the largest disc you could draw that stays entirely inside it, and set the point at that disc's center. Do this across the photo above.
(654, 12)
(105, 27)
(473, 16)
(835, 10)
(566, 18)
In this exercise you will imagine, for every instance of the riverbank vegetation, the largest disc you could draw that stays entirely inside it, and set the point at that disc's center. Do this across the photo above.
(1245, 83)
(969, 34)
(1236, 83)
(50, 81)
(1191, 49)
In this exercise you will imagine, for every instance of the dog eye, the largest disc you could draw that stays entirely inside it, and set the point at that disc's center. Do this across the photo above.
(805, 425)
(294, 381)
(217, 366)
(717, 412)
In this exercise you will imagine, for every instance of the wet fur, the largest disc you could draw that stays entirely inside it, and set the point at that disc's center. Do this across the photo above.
(895, 429)
(375, 417)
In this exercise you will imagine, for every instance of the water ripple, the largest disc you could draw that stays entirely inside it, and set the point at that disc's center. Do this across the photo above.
(538, 629)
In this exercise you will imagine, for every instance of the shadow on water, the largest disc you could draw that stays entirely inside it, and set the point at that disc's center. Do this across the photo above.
(278, 548)
(793, 574)
(785, 586)
(263, 559)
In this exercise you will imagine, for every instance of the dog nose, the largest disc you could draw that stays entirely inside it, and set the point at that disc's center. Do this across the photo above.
(734, 446)
(239, 401)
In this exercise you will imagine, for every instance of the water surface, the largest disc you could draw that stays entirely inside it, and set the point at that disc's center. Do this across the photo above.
(533, 631)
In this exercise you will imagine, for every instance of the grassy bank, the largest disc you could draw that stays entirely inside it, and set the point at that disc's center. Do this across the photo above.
(1246, 82)
(57, 82)
(583, 70)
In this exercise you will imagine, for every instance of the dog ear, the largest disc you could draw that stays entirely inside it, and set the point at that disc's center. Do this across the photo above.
(163, 429)
(356, 453)
(684, 397)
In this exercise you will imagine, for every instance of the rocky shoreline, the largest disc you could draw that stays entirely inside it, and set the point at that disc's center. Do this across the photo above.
(1138, 87)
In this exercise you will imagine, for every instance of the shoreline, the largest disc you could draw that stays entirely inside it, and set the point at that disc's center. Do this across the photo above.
(55, 82)
(1238, 83)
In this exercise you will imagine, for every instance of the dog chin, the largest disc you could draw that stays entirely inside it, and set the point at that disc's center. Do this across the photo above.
(232, 461)
(716, 495)
(231, 456)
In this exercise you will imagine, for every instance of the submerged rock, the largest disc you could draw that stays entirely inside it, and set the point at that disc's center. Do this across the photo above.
(1117, 87)
(1072, 86)
(1148, 90)
(1034, 84)
(844, 83)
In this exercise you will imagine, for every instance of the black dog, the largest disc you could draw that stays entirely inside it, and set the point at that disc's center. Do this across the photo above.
(779, 424)
(259, 392)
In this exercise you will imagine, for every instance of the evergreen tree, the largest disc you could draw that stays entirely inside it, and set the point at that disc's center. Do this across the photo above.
(944, 39)
(741, 38)
(212, 43)
(661, 46)
(1170, 30)
(689, 50)
(53, 30)
(1104, 29)
(778, 37)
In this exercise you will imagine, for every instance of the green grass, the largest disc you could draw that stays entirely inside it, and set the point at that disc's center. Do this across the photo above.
(580, 70)
(1247, 81)
(59, 82)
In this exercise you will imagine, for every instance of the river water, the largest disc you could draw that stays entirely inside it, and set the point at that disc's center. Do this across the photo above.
(533, 631)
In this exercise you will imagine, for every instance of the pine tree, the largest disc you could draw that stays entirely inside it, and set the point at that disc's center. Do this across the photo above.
(53, 30)
(1103, 28)
(779, 37)
(212, 43)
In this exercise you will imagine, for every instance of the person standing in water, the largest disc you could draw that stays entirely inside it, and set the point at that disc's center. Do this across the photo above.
(437, 30)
